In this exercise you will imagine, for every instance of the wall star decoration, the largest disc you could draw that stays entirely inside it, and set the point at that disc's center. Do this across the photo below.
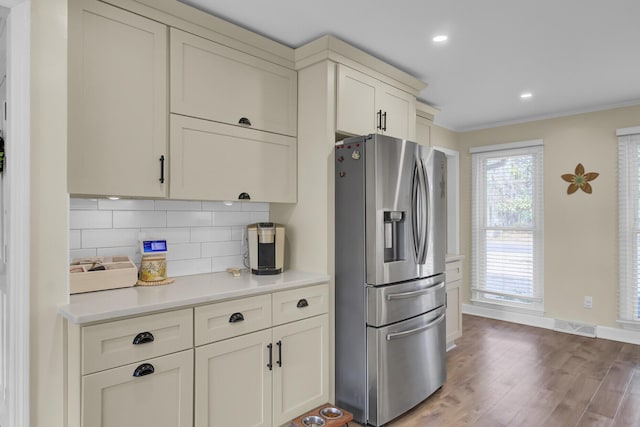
(580, 180)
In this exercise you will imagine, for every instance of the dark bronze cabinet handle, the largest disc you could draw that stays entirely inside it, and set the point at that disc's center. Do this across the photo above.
(162, 169)
(384, 126)
(144, 369)
(244, 121)
(302, 303)
(244, 196)
(379, 114)
(236, 317)
(143, 338)
(270, 364)
(279, 344)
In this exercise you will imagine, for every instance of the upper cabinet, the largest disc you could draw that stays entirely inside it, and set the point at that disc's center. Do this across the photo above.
(117, 102)
(214, 82)
(424, 121)
(367, 105)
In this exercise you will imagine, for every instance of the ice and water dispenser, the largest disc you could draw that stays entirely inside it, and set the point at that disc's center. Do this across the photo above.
(394, 229)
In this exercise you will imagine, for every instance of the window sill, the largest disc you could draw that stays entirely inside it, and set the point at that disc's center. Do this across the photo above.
(504, 307)
(629, 325)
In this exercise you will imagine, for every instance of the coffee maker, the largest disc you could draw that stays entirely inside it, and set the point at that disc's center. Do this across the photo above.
(266, 248)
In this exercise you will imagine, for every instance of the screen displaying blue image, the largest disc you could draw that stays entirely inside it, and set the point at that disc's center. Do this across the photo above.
(151, 246)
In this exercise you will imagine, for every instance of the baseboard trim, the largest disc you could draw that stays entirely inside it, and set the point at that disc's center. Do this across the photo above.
(602, 332)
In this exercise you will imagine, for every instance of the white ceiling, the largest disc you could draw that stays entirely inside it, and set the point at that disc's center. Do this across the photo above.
(573, 55)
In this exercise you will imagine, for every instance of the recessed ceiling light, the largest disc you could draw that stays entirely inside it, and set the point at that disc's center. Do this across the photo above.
(441, 38)
(526, 95)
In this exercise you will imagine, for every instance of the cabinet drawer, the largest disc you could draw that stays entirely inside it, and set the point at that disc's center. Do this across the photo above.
(227, 319)
(289, 306)
(157, 392)
(113, 344)
(454, 271)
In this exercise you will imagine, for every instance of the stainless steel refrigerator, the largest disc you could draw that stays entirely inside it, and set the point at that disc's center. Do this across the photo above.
(389, 281)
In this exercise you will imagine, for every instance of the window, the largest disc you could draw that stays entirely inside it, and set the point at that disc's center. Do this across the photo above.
(507, 225)
(629, 224)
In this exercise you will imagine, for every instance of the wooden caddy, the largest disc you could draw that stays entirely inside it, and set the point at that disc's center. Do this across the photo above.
(329, 422)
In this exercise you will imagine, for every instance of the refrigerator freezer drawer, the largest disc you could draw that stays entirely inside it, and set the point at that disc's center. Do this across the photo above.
(406, 364)
(393, 303)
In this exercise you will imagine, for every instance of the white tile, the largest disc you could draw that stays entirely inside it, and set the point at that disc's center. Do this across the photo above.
(221, 249)
(178, 205)
(189, 219)
(133, 252)
(183, 251)
(76, 203)
(81, 253)
(231, 218)
(141, 219)
(109, 238)
(238, 233)
(210, 234)
(126, 205)
(259, 217)
(171, 235)
(222, 206)
(89, 219)
(255, 207)
(188, 267)
(222, 263)
(75, 241)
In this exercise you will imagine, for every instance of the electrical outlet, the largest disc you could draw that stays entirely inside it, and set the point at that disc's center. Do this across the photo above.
(588, 302)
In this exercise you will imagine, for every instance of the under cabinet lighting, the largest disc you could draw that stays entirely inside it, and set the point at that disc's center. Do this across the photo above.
(113, 198)
(526, 95)
(440, 38)
(228, 203)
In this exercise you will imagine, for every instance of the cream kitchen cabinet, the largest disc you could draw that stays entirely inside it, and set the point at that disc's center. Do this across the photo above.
(214, 82)
(216, 161)
(118, 109)
(136, 372)
(366, 105)
(454, 309)
(266, 377)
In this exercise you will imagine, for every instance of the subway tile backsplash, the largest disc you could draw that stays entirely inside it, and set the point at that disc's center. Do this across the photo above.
(202, 236)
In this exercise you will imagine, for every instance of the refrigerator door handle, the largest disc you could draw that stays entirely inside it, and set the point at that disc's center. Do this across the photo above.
(416, 330)
(425, 230)
(415, 192)
(411, 294)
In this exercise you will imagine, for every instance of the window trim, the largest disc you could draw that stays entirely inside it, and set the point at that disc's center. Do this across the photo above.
(480, 154)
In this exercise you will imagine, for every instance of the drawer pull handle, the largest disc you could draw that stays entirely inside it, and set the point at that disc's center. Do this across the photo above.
(302, 303)
(144, 369)
(143, 338)
(244, 121)
(161, 170)
(270, 364)
(244, 196)
(236, 317)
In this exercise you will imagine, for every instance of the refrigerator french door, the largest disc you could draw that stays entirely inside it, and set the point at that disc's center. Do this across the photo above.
(390, 296)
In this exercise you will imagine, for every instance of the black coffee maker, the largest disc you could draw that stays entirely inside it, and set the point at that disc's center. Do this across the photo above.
(266, 248)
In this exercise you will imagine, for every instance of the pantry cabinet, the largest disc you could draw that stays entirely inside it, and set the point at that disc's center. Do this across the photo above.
(216, 161)
(214, 82)
(118, 110)
(366, 105)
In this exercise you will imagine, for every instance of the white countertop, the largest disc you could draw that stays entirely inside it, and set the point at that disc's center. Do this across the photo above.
(185, 291)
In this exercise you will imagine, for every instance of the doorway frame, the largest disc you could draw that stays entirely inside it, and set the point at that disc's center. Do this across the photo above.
(18, 234)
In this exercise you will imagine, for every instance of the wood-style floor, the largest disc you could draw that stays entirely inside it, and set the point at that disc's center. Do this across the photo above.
(505, 374)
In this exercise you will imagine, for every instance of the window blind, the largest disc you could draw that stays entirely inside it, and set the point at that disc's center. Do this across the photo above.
(629, 227)
(507, 225)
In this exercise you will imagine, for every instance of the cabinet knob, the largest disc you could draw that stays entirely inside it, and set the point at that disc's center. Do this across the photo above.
(244, 121)
(144, 369)
(143, 338)
(244, 196)
(236, 317)
(302, 303)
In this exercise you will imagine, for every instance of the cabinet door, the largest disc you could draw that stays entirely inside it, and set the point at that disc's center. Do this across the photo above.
(214, 161)
(356, 102)
(117, 102)
(301, 382)
(423, 131)
(214, 82)
(454, 316)
(164, 398)
(399, 110)
(233, 384)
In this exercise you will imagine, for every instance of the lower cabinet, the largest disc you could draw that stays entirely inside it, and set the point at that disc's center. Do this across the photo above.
(156, 393)
(454, 309)
(264, 378)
